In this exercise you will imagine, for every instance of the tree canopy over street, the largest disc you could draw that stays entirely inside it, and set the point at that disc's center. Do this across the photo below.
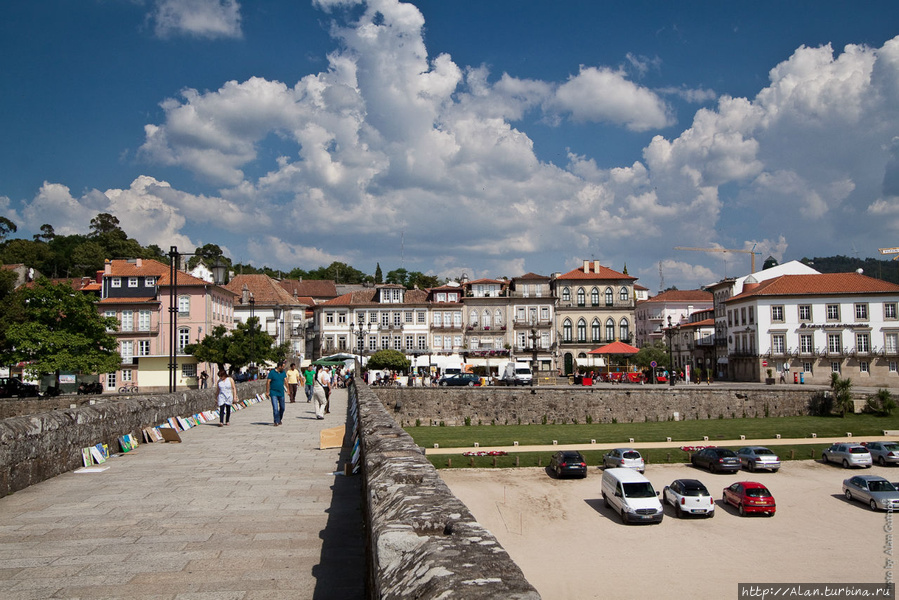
(237, 348)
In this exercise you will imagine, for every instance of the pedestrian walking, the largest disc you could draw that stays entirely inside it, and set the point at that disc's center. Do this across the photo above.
(328, 377)
(319, 396)
(293, 381)
(204, 380)
(309, 378)
(274, 387)
(225, 390)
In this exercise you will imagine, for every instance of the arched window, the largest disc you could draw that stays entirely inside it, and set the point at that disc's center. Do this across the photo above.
(624, 330)
(623, 295)
(566, 295)
(610, 330)
(566, 330)
(594, 297)
(486, 321)
(596, 330)
(581, 330)
(581, 297)
(498, 318)
(609, 296)
(473, 318)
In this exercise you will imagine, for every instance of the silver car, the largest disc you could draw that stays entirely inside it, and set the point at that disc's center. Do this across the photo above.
(623, 457)
(689, 497)
(848, 455)
(875, 491)
(758, 457)
(883, 453)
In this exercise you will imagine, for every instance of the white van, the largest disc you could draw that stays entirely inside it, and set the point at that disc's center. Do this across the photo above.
(631, 495)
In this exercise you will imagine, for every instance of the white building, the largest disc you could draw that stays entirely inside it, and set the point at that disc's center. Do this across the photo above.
(815, 325)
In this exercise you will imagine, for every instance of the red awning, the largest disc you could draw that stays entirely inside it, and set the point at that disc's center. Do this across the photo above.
(615, 348)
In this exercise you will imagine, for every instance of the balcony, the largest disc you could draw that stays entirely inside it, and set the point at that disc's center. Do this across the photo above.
(137, 332)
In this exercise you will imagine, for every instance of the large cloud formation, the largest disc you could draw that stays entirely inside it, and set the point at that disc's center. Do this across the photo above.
(389, 144)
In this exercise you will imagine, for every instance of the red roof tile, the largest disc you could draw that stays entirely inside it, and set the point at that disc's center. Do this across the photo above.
(604, 273)
(266, 291)
(821, 284)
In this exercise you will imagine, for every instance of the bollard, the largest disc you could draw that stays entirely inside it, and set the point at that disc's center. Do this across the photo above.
(669, 457)
(471, 461)
(477, 445)
(777, 435)
(592, 441)
(494, 461)
(517, 463)
(514, 443)
(792, 454)
(742, 438)
(555, 442)
(668, 439)
(540, 461)
(436, 445)
(449, 463)
(630, 440)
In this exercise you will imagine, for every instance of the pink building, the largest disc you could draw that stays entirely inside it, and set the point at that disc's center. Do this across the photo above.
(137, 293)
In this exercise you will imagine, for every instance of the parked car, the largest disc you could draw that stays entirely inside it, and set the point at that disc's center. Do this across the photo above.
(758, 457)
(463, 379)
(750, 497)
(632, 496)
(883, 453)
(875, 491)
(716, 459)
(13, 387)
(623, 457)
(848, 455)
(689, 497)
(568, 462)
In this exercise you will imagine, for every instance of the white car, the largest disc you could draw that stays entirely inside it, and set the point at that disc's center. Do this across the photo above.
(848, 455)
(758, 457)
(689, 497)
(623, 457)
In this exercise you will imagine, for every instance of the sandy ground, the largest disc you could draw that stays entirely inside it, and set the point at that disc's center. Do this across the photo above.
(571, 547)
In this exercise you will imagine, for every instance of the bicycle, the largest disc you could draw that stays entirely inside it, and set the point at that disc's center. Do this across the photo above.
(128, 389)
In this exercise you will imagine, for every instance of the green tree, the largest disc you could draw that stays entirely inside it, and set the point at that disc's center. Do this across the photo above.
(207, 255)
(88, 257)
(393, 360)
(60, 329)
(882, 403)
(238, 347)
(379, 276)
(27, 252)
(104, 223)
(46, 235)
(842, 393)
(398, 276)
(657, 352)
(422, 281)
(6, 227)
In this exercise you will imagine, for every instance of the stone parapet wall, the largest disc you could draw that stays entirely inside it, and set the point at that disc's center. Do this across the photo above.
(42, 445)
(624, 404)
(423, 541)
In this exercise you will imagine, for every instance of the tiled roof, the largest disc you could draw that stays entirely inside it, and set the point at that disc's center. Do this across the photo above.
(604, 273)
(703, 323)
(129, 300)
(266, 291)
(153, 268)
(532, 276)
(682, 296)
(821, 284)
(314, 288)
(366, 297)
(486, 280)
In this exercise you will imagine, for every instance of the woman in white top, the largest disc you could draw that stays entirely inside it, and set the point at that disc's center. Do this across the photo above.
(320, 391)
(225, 389)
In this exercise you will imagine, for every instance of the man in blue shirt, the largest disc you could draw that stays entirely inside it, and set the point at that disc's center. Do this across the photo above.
(275, 389)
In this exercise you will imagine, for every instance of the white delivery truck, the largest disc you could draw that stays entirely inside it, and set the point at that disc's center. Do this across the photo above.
(515, 373)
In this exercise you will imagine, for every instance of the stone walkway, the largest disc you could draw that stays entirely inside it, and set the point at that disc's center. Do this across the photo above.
(244, 512)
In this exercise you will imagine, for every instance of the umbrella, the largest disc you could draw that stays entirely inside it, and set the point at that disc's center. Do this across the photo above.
(616, 348)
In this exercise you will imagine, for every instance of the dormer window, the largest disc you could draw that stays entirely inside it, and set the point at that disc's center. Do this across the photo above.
(115, 282)
(149, 281)
(132, 282)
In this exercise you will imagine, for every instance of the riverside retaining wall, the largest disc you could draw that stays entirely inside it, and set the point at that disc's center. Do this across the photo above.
(422, 541)
(41, 445)
(620, 404)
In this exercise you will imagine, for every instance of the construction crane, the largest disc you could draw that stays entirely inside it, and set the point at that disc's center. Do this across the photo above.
(751, 253)
(890, 251)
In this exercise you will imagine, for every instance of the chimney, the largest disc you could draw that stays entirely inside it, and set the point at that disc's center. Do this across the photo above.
(245, 295)
(107, 267)
(596, 266)
(99, 276)
(749, 284)
(139, 263)
(586, 266)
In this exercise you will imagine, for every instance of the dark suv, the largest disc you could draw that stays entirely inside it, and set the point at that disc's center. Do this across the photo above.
(716, 459)
(12, 387)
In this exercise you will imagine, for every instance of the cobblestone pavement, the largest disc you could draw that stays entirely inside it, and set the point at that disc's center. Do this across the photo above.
(244, 512)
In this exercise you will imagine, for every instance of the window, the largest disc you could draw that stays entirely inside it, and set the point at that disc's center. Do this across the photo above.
(595, 330)
(143, 348)
(143, 320)
(126, 375)
(862, 343)
(149, 281)
(385, 319)
(457, 341)
(422, 342)
(743, 316)
(522, 340)
(397, 342)
(457, 318)
(132, 283)
(806, 367)
(835, 367)
(777, 313)
(189, 370)
(833, 343)
(581, 330)
(473, 318)
(127, 320)
(110, 381)
(805, 312)
(329, 318)
(610, 297)
(410, 342)
(624, 330)
(566, 331)
(341, 317)
(730, 319)
(183, 306)
(610, 330)
(420, 317)
(485, 319)
(894, 366)
(126, 349)
(751, 315)
(581, 297)
(861, 312)
(183, 338)
(623, 295)
(385, 342)
(566, 295)
(889, 310)
(116, 282)
(438, 342)
(341, 343)
(498, 318)
(594, 297)
(833, 312)
(777, 343)
(373, 342)
(891, 343)
(805, 343)
(438, 319)
(544, 313)
(863, 366)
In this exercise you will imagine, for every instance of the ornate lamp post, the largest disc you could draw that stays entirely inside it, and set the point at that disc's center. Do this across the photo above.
(670, 332)
(534, 336)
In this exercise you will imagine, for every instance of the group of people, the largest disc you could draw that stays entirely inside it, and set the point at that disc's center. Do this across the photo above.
(280, 384)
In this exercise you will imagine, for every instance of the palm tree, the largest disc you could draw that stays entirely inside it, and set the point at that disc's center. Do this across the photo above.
(842, 393)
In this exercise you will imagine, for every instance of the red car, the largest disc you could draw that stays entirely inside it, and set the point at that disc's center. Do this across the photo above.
(750, 497)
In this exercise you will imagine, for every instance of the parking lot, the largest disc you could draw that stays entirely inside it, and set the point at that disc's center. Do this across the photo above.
(571, 547)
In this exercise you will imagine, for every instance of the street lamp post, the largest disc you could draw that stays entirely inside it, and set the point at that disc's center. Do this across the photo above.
(534, 338)
(670, 333)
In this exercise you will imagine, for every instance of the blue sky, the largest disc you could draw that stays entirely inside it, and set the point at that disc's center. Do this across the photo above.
(491, 138)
